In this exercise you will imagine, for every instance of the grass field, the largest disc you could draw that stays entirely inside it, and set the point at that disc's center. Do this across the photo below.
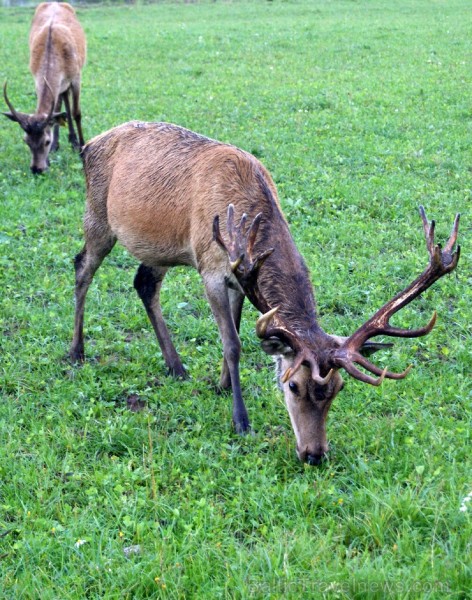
(362, 111)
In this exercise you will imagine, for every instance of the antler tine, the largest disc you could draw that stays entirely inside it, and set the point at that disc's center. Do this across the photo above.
(453, 237)
(315, 374)
(252, 233)
(14, 112)
(230, 217)
(259, 260)
(357, 374)
(242, 223)
(263, 322)
(286, 376)
(306, 356)
(361, 360)
(441, 262)
(410, 333)
(52, 103)
(220, 241)
(290, 372)
(428, 230)
(217, 233)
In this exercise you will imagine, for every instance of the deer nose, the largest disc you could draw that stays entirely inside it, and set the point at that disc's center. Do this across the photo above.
(36, 170)
(314, 459)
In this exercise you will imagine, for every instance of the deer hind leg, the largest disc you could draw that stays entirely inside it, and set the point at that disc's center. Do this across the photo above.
(97, 245)
(72, 135)
(218, 297)
(76, 112)
(148, 282)
(236, 300)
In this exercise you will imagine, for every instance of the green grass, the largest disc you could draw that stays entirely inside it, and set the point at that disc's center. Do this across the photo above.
(361, 111)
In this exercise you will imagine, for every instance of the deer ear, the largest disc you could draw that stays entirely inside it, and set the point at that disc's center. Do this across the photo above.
(275, 345)
(367, 348)
(11, 116)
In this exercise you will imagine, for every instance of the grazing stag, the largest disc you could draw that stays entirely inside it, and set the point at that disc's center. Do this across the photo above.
(160, 190)
(57, 55)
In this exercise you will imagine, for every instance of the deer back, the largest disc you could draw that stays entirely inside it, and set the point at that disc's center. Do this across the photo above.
(57, 50)
(159, 187)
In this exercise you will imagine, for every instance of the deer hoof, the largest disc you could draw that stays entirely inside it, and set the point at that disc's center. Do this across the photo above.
(243, 428)
(77, 356)
(178, 372)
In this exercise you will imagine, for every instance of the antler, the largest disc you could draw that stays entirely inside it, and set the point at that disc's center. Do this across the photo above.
(18, 116)
(246, 269)
(240, 251)
(441, 262)
(305, 356)
(53, 103)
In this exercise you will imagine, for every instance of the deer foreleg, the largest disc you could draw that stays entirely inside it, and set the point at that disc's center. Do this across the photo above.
(86, 263)
(218, 297)
(236, 300)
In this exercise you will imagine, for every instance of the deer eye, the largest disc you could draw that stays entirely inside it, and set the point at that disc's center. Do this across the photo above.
(293, 387)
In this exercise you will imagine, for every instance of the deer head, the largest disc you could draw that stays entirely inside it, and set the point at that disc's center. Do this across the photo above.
(309, 361)
(38, 131)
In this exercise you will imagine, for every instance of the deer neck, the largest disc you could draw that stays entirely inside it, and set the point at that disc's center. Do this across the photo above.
(284, 282)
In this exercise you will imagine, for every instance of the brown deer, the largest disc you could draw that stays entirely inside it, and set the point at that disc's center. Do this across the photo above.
(57, 55)
(160, 190)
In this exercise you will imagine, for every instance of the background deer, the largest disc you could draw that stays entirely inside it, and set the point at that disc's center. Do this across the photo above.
(57, 55)
(161, 190)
